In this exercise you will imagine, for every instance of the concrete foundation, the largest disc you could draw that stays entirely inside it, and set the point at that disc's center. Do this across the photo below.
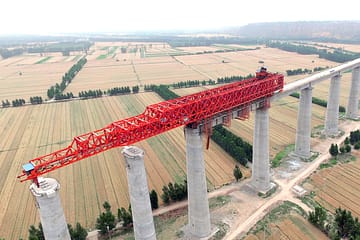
(260, 178)
(353, 102)
(303, 130)
(198, 208)
(332, 110)
(139, 194)
(51, 212)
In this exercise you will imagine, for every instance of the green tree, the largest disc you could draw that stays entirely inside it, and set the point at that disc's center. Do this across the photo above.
(344, 222)
(125, 216)
(237, 173)
(347, 141)
(348, 148)
(334, 151)
(318, 217)
(105, 220)
(165, 196)
(342, 149)
(154, 199)
(36, 234)
(77, 233)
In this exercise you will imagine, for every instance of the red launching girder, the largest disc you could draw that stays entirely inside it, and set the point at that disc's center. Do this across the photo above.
(156, 119)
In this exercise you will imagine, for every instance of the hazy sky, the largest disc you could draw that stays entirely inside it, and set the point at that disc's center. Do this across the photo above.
(53, 16)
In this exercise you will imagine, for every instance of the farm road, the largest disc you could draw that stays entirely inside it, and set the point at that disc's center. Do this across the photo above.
(240, 227)
(248, 207)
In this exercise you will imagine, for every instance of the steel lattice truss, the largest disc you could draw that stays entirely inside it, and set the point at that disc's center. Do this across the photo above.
(156, 119)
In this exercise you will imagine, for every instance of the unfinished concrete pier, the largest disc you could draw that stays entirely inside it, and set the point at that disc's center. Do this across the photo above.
(260, 178)
(353, 101)
(332, 109)
(51, 212)
(303, 130)
(198, 209)
(143, 221)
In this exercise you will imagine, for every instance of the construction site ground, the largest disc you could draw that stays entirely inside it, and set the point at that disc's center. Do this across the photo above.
(236, 208)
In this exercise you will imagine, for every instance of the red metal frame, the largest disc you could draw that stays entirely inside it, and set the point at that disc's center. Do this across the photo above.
(158, 118)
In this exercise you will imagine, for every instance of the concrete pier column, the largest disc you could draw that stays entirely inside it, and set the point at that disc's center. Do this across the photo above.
(143, 221)
(332, 110)
(353, 102)
(260, 178)
(303, 130)
(51, 212)
(198, 209)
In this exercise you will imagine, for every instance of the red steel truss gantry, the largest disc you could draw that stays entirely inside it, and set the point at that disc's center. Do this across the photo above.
(156, 119)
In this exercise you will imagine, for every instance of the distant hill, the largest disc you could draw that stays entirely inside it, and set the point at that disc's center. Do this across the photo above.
(348, 31)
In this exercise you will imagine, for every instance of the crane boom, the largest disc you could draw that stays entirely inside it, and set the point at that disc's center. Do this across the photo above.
(157, 118)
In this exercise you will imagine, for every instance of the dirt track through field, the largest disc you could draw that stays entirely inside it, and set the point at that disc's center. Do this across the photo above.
(285, 192)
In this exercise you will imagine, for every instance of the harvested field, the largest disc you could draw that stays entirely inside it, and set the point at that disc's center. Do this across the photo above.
(33, 131)
(20, 77)
(338, 186)
(289, 227)
(131, 69)
(348, 47)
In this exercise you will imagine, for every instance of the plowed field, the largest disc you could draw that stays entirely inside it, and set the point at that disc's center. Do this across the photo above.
(293, 227)
(338, 187)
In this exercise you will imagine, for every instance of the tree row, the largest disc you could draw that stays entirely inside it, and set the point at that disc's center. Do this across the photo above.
(300, 71)
(334, 55)
(318, 101)
(20, 102)
(240, 150)
(57, 89)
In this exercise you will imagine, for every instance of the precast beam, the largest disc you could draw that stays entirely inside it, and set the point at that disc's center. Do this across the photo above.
(300, 84)
(303, 130)
(260, 179)
(198, 208)
(353, 101)
(143, 222)
(332, 109)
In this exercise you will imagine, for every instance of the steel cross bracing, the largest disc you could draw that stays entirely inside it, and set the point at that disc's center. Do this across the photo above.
(156, 119)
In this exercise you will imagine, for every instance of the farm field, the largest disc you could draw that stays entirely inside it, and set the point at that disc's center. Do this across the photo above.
(337, 186)
(131, 70)
(108, 67)
(24, 76)
(33, 131)
(293, 227)
(348, 47)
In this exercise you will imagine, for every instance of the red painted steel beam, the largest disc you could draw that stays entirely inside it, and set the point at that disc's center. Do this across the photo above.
(156, 119)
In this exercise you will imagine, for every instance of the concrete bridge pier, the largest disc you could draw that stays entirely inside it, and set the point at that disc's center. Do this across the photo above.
(332, 110)
(51, 212)
(260, 179)
(303, 130)
(198, 208)
(143, 221)
(353, 102)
